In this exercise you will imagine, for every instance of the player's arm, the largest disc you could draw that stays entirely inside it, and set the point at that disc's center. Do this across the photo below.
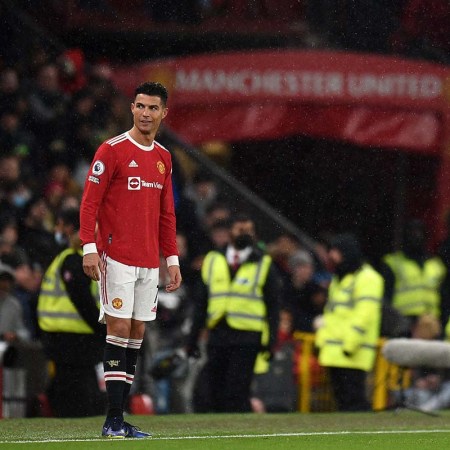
(168, 234)
(95, 188)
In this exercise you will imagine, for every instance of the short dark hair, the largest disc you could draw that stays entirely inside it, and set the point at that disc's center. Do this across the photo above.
(240, 217)
(70, 216)
(153, 88)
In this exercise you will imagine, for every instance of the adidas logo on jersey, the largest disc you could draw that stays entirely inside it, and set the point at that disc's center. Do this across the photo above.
(133, 163)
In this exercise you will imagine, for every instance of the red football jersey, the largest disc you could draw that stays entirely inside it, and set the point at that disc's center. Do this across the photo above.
(128, 192)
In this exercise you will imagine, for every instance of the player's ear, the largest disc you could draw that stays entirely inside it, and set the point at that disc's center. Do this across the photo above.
(165, 111)
(132, 106)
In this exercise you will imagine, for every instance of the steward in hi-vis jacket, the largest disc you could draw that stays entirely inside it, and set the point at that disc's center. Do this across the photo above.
(348, 336)
(413, 277)
(237, 302)
(71, 335)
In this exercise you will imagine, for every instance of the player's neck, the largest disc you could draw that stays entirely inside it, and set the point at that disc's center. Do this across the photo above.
(140, 138)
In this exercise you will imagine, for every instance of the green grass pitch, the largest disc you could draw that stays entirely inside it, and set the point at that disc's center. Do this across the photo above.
(382, 430)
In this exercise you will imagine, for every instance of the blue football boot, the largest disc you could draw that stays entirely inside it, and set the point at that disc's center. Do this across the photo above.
(114, 428)
(134, 432)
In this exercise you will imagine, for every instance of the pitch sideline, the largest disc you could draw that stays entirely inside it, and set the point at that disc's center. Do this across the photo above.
(235, 436)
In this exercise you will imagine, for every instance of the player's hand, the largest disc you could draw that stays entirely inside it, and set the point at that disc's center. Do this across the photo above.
(175, 278)
(92, 266)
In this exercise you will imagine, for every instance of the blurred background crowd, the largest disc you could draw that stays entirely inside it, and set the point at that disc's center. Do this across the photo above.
(57, 104)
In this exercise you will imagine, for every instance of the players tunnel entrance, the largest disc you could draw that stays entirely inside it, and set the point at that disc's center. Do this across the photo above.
(374, 130)
(328, 186)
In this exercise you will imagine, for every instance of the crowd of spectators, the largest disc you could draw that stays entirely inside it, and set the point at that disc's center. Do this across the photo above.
(56, 108)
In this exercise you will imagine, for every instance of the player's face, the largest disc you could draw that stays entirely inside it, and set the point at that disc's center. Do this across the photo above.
(148, 112)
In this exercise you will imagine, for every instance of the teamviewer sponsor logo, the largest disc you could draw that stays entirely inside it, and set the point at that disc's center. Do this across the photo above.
(134, 183)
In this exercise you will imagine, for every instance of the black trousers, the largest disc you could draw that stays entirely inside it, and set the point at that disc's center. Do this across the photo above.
(74, 390)
(349, 387)
(229, 374)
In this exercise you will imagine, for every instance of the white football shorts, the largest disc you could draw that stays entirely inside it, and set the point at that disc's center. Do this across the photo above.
(128, 291)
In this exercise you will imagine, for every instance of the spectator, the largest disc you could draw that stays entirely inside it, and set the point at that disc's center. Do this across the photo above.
(35, 235)
(47, 108)
(60, 184)
(203, 192)
(281, 249)
(237, 314)
(13, 194)
(27, 280)
(71, 64)
(350, 327)
(15, 140)
(12, 97)
(102, 89)
(217, 211)
(413, 277)
(219, 234)
(322, 273)
(430, 387)
(70, 201)
(198, 208)
(302, 297)
(189, 274)
(118, 117)
(82, 134)
(12, 325)
(71, 335)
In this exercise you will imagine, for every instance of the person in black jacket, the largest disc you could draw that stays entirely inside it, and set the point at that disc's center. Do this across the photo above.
(237, 301)
(72, 337)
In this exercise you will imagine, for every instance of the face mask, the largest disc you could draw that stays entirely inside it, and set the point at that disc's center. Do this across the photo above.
(242, 241)
(60, 238)
(19, 200)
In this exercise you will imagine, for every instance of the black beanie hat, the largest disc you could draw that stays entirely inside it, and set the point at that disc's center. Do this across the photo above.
(348, 245)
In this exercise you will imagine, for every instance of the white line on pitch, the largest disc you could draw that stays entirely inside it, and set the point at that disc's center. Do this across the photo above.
(234, 436)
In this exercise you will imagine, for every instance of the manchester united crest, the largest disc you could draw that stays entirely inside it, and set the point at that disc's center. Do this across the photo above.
(117, 303)
(161, 167)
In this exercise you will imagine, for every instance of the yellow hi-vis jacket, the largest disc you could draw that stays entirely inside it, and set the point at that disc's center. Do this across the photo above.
(416, 288)
(352, 318)
(56, 312)
(239, 300)
(262, 364)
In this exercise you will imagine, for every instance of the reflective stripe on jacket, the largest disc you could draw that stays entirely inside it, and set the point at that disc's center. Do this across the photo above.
(56, 312)
(352, 318)
(238, 300)
(416, 289)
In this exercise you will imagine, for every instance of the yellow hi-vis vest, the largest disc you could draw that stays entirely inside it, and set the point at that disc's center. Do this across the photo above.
(238, 300)
(56, 312)
(352, 318)
(416, 288)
